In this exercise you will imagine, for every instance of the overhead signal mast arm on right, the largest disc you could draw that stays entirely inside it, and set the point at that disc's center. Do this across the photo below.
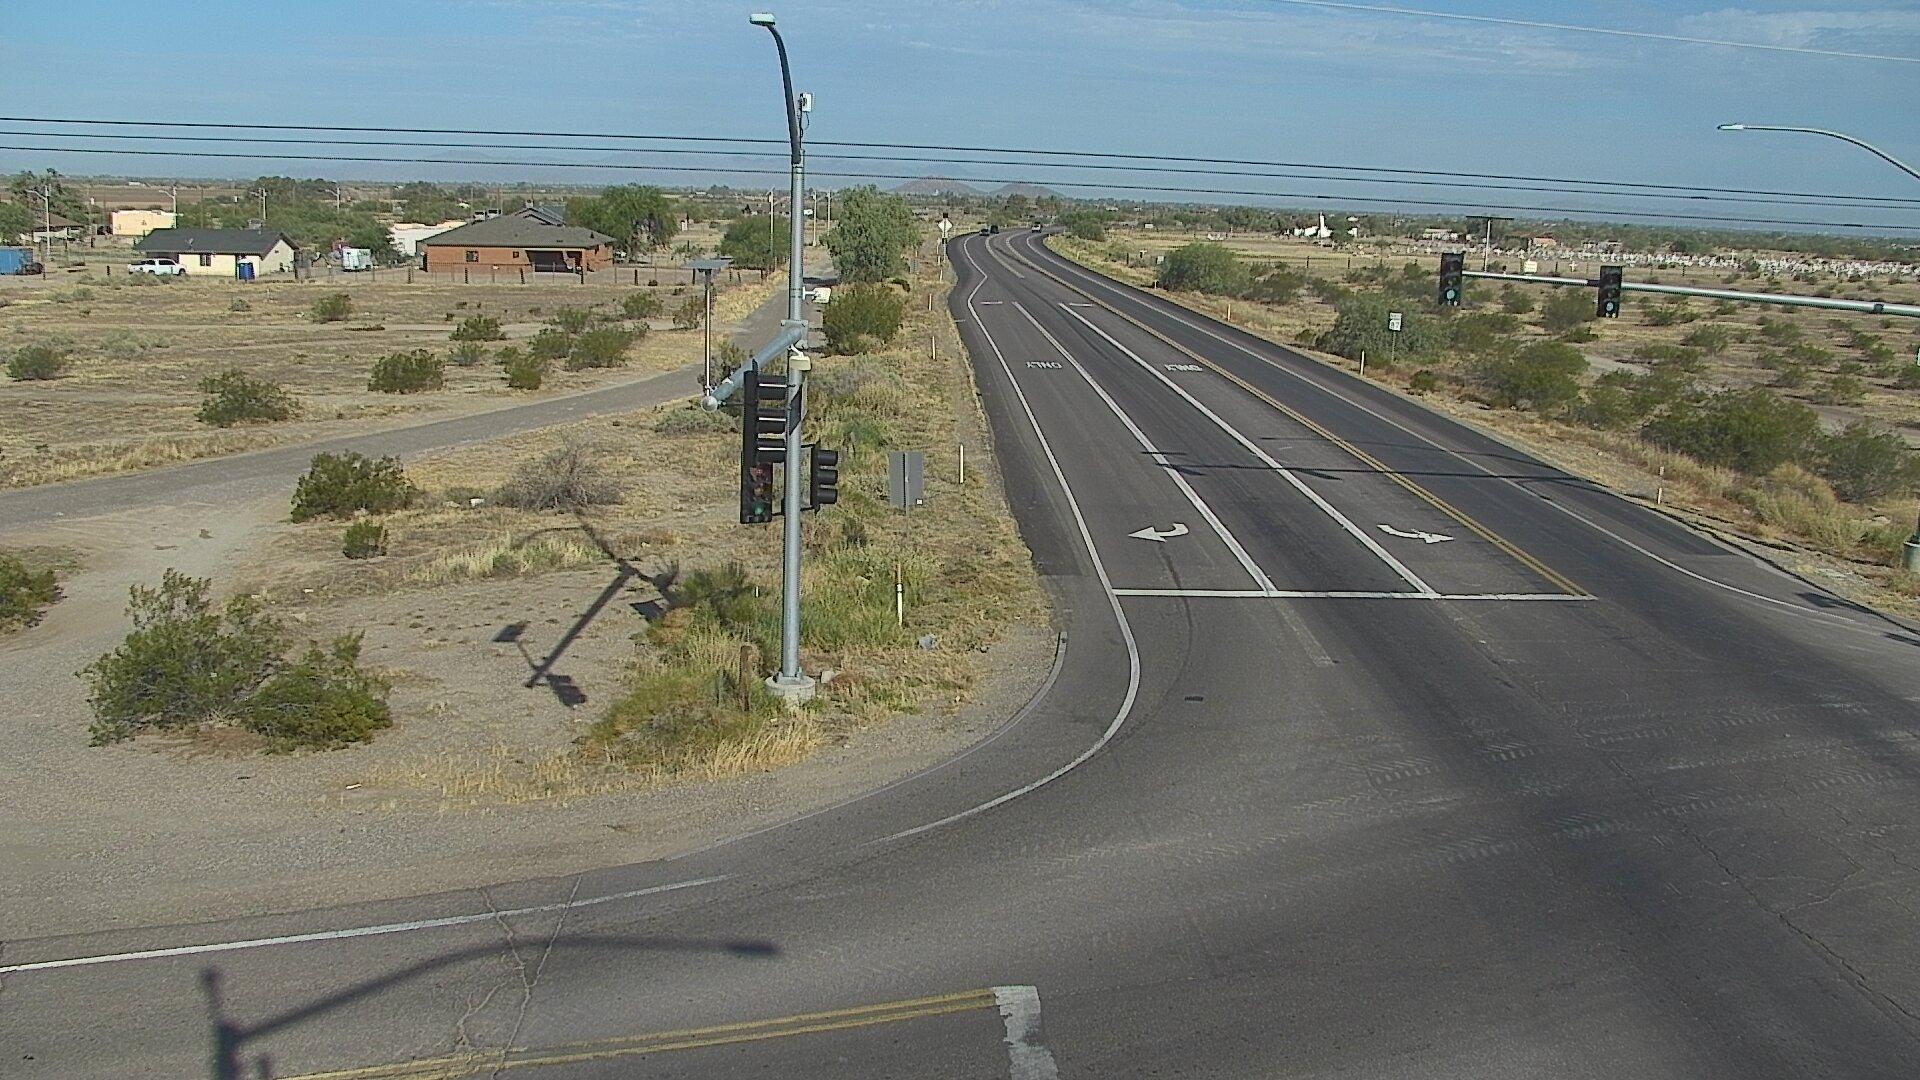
(1611, 286)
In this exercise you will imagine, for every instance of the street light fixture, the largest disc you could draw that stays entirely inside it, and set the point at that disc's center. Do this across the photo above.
(1841, 135)
(791, 684)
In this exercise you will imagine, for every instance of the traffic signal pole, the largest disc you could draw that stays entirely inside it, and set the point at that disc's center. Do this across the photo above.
(1865, 307)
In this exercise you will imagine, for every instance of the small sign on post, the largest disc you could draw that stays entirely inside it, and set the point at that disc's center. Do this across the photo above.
(906, 480)
(1394, 321)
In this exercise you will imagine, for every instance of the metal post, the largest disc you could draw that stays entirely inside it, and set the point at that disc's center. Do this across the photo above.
(706, 337)
(791, 685)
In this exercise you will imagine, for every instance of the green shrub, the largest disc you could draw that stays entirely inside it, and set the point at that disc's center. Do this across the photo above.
(1515, 301)
(1867, 461)
(694, 420)
(184, 662)
(523, 371)
(565, 478)
(693, 311)
(407, 373)
(1565, 310)
(1543, 376)
(1711, 340)
(862, 316)
(1424, 381)
(237, 304)
(1203, 267)
(1754, 431)
(1841, 390)
(601, 347)
(333, 308)
(336, 485)
(1660, 350)
(24, 593)
(574, 320)
(641, 305)
(37, 362)
(1670, 313)
(364, 540)
(234, 397)
(1779, 331)
(478, 328)
(551, 344)
(1578, 334)
(322, 701)
(1280, 285)
(466, 353)
(1361, 328)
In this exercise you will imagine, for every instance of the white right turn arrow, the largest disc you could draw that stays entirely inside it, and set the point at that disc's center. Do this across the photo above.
(1158, 537)
(1423, 537)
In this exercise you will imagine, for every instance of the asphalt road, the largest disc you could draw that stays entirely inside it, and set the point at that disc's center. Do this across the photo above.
(1572, 792)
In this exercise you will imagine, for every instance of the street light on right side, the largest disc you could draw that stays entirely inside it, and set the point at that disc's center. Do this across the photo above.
(1841, 135)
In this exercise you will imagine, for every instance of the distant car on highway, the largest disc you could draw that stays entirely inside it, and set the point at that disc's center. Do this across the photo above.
(1035, 227)
(984, 230)
(157, 267)
(993, 228)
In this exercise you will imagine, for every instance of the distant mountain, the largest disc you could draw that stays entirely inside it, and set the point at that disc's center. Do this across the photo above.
(936, 185)
(1031, 191)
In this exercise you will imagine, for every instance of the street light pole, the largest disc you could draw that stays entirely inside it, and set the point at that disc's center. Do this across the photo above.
(791, 685)
(1841, 135)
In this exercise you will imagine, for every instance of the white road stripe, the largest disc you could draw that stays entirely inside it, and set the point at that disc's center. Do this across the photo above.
(1252, 568)
(1337, 594)
(355, 931)
(1026, 1057)
(1106, 584)
(1254, 448)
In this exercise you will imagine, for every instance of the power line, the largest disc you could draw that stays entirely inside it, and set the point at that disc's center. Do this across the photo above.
(964, 149)
(1889, 203)
(1648, 35)
(1330, 197)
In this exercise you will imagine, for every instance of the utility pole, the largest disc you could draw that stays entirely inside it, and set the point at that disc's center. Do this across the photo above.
(791, 685)
(173, 200)
(262, 192)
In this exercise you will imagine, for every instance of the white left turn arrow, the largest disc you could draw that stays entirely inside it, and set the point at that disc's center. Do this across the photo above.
(1423, 537)
(1159, 537)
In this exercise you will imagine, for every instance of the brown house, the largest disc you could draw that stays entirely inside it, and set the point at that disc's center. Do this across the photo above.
(516, 243)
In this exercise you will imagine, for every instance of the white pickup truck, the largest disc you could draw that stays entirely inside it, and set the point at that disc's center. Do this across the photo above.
(160, 267)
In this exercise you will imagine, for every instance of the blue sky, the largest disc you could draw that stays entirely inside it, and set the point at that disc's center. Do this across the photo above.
(1227, 78)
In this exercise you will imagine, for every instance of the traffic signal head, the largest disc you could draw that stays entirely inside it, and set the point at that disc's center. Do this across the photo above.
(1608, 305)
(1453, 278)
(763, 430)
(823, 480)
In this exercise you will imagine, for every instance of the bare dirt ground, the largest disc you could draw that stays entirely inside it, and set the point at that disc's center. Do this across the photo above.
(480, 779)
(139, 348)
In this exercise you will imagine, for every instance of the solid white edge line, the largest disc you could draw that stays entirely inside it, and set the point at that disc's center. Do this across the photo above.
(1098, 281)
(353, 932)
(1027, 1058)
(1335, 594)
(1252, 568)
(1099, 569)
(1254, 448)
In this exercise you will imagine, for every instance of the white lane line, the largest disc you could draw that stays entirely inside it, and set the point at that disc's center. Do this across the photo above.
(1094, 280)
(1026, 1057)
(355, 931)
(1106, 584)
(1219, 528)
(1254, 448)
(1341, 594)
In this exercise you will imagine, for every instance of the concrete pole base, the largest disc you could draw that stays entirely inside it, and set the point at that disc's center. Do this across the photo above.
(792, 692)
(1910, 558)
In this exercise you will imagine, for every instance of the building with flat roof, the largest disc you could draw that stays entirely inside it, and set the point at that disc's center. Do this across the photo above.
(510, 242)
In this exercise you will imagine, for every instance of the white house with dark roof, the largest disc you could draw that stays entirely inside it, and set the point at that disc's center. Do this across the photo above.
(220, 252)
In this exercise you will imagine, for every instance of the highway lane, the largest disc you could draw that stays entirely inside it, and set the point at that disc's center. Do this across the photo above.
(1318, 816)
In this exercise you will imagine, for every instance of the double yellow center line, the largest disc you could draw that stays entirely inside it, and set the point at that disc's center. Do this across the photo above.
(659, 1042)
(1555, 578)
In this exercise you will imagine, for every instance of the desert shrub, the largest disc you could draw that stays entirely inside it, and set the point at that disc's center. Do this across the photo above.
(24, 593)
(601, 347)
(1280, 285)
(1866, 461)
(336, 485)
(565, 478)
(1579, 335)
(523, 370)
(364, 540)
(694, 420)
(466, 353)
(641, 305)
(322, 701)
(573, 320)
(1790, 375)
(691, 312)
(1515, 301)
(1424, 381)
(34, 362)
(234, 397)
(1204, 267)
(1481, 331)
(1778, 331)
(1841, 389)
(1660, 350)
(1671, 313)
(237, 304)
(1361, 327)
(1711, 340)
(862, 316)
(407, 373)
(478, 328)
(551, 344)
(332, 308)
(1543, 376)
(1753, 431)
(184, 662)
(1565, 310)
